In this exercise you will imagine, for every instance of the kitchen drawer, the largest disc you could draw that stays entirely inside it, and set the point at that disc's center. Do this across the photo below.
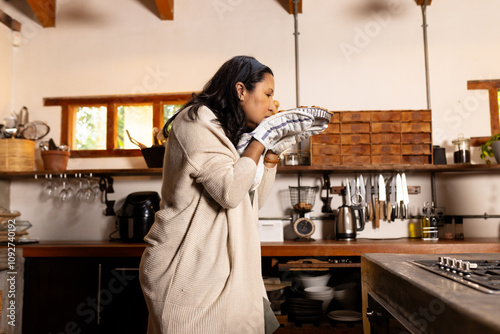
(325, 160)
(355, 116)
(332, 128)
(351, 139)
(416, 149)
(416, 159)
(355, 127)
(416, 116)
(386, 159)
(356, 149)
(416, 127)
(356, 159)
(335, 118)
(386, 127)
(386, 138)
(326, 139)
(325, 149)
(386, 116)
(416, 138)
(386, 149)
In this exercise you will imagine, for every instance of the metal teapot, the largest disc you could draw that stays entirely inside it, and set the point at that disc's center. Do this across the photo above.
(349, 220)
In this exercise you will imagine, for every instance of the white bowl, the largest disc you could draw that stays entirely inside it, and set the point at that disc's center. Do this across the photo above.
(320, 293)
(318, 289)
(346, 294)
(310, 281)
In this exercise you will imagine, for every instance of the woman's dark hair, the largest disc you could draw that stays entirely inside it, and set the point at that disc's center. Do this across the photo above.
(220, 95)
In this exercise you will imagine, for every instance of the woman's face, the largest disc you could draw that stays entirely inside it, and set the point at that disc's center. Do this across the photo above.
(258, 104)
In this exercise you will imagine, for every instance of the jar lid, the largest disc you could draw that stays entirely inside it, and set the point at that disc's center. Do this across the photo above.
(460, 139)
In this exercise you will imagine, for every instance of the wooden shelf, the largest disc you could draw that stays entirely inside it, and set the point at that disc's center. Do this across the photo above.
(465, 168)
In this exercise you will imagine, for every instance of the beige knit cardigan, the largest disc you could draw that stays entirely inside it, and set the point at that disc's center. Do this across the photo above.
(201, 270)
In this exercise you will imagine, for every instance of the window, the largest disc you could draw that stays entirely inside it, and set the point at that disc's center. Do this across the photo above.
(493, 87)
(98, 126)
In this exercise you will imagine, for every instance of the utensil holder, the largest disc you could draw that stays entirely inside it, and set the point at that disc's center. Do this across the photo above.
(17, 155)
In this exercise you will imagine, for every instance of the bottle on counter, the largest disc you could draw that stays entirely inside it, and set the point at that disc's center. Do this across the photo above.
(459, 228)
(428, 223)
(449, 230)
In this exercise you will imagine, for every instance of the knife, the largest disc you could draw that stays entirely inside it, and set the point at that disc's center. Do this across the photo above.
(369, 200)
(376, 209)
(406, 198)
(347, 193)
(354, 193)
(381, 196)
(399, 196)
(361, 187)
(392, 201)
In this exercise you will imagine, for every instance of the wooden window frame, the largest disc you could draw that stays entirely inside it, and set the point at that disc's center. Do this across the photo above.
(68, 111)
(493, 86)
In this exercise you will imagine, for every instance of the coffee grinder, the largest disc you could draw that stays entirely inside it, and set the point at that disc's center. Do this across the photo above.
(302, 200)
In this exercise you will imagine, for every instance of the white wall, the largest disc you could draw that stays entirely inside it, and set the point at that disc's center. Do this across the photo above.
(351, 58)
(6, 68)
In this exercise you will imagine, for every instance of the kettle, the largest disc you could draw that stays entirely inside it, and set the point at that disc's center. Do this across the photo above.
(346, 222)
(137, 215)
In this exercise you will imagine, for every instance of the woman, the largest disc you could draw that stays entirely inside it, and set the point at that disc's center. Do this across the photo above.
(201, 270)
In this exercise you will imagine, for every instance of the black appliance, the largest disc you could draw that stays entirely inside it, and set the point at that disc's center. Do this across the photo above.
(137, 215)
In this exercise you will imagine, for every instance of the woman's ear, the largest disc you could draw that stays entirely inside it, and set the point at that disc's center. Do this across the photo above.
(240, 90)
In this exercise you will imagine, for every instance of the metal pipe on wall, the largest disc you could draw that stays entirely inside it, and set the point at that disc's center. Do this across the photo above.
(426, 55)
(296, 34)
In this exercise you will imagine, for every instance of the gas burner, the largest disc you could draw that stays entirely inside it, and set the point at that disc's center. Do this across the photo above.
(482, 275)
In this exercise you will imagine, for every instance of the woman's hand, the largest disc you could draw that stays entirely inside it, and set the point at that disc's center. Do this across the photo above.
(254, 151)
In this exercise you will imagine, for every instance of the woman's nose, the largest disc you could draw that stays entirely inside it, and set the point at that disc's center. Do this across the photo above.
(273, 106)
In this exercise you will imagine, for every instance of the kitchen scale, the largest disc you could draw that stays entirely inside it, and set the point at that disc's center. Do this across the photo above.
(302, 200)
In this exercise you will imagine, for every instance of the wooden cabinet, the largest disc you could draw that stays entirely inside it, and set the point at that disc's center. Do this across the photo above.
(69, 285)
(123, 307)
(83, 295)
(378, 137)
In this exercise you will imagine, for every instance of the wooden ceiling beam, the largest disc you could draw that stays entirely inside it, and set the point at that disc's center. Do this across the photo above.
(9, 21)
(166, 9)
(288, 6)
(45, 11)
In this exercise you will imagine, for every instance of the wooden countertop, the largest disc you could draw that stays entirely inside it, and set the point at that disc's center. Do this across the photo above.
(274, 249)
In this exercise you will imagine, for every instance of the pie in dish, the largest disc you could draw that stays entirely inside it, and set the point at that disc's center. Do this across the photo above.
(321, 115)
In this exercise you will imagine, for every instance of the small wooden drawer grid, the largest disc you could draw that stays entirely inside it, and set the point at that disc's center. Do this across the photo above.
(375, 137)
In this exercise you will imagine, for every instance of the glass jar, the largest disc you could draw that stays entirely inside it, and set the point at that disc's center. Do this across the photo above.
(462, 150)
(449, 230)
(459, 228)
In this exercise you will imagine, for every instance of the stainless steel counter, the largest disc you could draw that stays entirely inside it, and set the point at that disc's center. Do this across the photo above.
(428, 302)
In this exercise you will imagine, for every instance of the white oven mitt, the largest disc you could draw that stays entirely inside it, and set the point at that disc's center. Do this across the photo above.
(288, 141)
(275, 127)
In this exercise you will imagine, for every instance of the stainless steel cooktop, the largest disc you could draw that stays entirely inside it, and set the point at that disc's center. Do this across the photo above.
(482, 275)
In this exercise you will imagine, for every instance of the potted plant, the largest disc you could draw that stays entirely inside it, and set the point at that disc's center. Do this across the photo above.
(491, 149)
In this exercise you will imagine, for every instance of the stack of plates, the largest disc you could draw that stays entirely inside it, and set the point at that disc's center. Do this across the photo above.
(301, 310)
(345, 315)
